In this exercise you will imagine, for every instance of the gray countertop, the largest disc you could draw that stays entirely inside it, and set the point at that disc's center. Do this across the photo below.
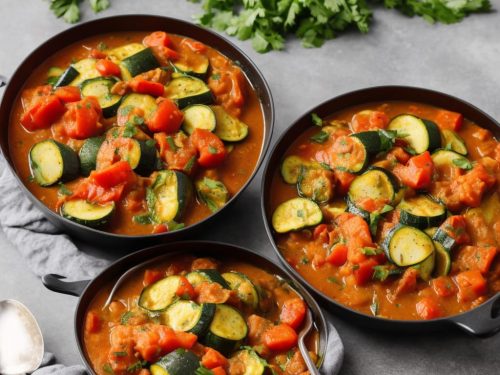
(462, 60)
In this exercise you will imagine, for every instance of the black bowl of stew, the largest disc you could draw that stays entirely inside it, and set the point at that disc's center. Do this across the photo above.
(162, 263)
(141, 53)
(333, 195)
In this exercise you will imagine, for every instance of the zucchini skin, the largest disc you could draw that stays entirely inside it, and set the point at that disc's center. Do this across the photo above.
(370, 139)
(94, 223)
(140, 62)
(67, 77)
(179, 86)
(295, 214)
(168, 286)
(107, 111)
(422, 222)
(148, 161)
(207, 311)
(88, 154)
(449, 243)
(387, 246)
(210, 275)
(70, 163)
(178, 362)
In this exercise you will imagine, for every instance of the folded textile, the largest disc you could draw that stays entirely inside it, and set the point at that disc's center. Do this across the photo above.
(48, 367)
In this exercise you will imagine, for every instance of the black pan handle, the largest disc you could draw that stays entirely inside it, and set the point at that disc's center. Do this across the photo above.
(483, 321)
(56, 284)
(3, 81)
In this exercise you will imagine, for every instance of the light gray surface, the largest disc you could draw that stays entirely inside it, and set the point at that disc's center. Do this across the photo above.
(462, 60)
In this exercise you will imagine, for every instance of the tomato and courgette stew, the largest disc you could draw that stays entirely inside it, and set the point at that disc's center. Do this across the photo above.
(392, 209)
(136, 133)
(197, 316)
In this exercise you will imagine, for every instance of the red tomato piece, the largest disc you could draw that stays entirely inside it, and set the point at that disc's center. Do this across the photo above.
(97, 54)
(157, 38)
(363, 271)
(427, 308)
(293, 312)
(212, 152)
(167, 118)
(194, 45)
(43, 113)
(68, 94)
(338, 255)
(81, 120)
(92, 322)
(151, 276)
(185, 289)
(186, 340)
(142, 86)
(108, 68)
(160, 228)
(471, 284)
(417, 174)
(280, 338)
(115, 174)
(320, 231)
(369, 120)
(444, 286)
(449, 120)
(212, 359)
(219, 371)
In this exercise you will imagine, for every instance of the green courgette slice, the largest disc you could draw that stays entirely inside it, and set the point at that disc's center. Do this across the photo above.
(291, 167)
(448, 242)
(253, 364)
(421, 135)
(52, 162)
(86, 213)
(198, 116)
(243, 287)
(315, 184)
(199, 71)
(229, 128)
(422, 211)
(67, 77)
(453, 141)
(213, 193)
(371, 141)
(443, 260)
(188, 316)
(227, 329)
(145, 102)
(100, 88)
(86, 70)
(161, 294)
(426, 267)
(88, 154)
(178, 362)
(296, 214)
(407, 246)
(197, 277)
(186, 90)
(447, 158)
(140, 62)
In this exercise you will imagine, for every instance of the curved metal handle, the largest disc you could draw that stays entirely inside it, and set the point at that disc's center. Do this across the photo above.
(56, 284)
(3, 81)
(483, 321)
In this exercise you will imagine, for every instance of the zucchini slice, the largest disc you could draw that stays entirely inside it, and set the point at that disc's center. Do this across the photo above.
(229, 128)
(198, 71)
(448, 242)
(52, 162)
(88, 154)
(453, 141)
(145, 102)
(426, 267)
(161, 294)
(315, 184)
(197, 277)
(100, 88)
(169, 196)
(87, 213)
(407, 246)
(443, 260)
(141, 155)
(291, 166)
(140, 62)
(198, 116)
(213, 193)
(421, 135)
(296, 214)
(227, 329)
(422, 211)
(446, 158)
(188, 316)
(86, 70)
(253, 364)
(186, 90)
(178, 362)
(371, 141)
(350, 155)
(122, 52)
(67, 77)
(243, 287)
(376, 183)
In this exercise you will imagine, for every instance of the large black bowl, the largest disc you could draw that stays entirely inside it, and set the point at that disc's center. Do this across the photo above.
(86, 290)
(118, 24)
(482, 320)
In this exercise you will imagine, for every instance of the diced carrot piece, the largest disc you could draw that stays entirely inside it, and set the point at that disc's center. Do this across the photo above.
(212, 359)
(449, 120)
(92, 322)
(142, 86)
(219, 371)
(427, 308)
(444, 286)
(408, 282)
(280, 338)
(417, 174)
(471, 284)
(338, 254)
(369, 120)
(151, 276)
(456, 227)
(363, 271)
(185, 289)
(293, 312)
(186, 340)
(476, 258)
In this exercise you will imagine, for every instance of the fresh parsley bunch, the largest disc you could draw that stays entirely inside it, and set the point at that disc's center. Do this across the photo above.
(69, 10)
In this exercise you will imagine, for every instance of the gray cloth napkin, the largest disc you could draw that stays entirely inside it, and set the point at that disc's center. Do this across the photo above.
(48, 367)
(44, 248)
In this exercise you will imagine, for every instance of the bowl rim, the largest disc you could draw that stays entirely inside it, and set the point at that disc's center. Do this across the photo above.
(176, 248)
(268, 172)
(264, 147)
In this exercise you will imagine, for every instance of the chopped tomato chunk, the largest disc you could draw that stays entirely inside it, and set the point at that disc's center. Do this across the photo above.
(293, 312)
(81, 120)
(212, 359)
(449, 120)
(219, 371)
(194, 45)
(444, 286)
(151, 276)
(476, 258)
(44, 112)
(167, 118)
(161, 45)
(471, 284)
(68, 94)
(417, 174)
(280, 338)
(115, 174)
(142, 86)
(338, 254)
(427, 308)
(92, 322)
(185, 289)
(363, 271)
(212, 152)
(369, 120)
(108, 68)
(408, 282)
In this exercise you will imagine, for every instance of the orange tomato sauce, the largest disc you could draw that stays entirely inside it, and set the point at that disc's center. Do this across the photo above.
(234, 173)
(306, 253)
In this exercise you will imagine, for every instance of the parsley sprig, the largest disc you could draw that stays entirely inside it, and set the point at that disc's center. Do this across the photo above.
(69, 10)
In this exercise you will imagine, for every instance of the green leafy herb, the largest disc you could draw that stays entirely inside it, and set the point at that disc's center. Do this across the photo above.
(387, 139)
(410, 150)
(63, 190)
(171, 144)
(333, 280)
(108, 369)
(151, 143)
(189, 165)
(99, 5)
(371, 251)
(320, 137)
(215, 76)
(462, 163)
(375, 218)
(120, 354)
(124, 111)
(325, 166)
(382, 272)
(136, 366)
(374, 307)
(304, 260)
(212, 150)
(316, 119)
(142, 219)
(125, 317)
(203, 371)
(102, 46)
(52, 80)
(173, 225)
(69, 10)
(130, 130)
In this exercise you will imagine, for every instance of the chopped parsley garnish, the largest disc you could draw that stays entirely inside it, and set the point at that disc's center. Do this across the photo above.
(320, 137)
(316, 119)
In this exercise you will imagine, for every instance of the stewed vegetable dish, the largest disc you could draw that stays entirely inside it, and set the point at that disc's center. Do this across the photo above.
(198, 316)
(392, 209)
(136, 133)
